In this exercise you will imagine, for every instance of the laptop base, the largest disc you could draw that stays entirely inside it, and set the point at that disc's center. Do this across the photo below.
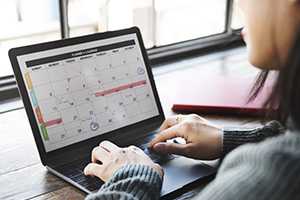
(188, 173)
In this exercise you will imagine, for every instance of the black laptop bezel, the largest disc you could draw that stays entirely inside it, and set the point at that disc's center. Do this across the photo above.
(114, 135)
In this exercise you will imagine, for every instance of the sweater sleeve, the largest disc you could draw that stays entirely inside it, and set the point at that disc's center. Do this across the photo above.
(134, 182)
(266, 170)
(235, 138)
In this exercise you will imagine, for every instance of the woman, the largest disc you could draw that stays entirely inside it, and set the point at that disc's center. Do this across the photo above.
(269, 168)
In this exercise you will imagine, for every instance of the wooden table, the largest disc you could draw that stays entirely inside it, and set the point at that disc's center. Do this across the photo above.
(22, 176)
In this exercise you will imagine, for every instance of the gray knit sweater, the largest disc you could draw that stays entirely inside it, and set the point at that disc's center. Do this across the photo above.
(268, 169)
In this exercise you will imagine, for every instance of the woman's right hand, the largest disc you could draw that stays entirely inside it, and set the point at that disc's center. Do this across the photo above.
(203, 140)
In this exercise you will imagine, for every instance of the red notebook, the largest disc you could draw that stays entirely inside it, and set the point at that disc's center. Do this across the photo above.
(212, 93)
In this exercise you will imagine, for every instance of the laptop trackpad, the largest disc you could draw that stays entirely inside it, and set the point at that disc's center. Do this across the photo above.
(182, 171)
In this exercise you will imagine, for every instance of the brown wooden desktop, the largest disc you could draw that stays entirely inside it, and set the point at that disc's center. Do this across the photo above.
(22, 176)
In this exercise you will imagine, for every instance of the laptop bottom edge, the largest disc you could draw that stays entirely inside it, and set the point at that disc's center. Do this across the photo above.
(190, 173)
(68, 180)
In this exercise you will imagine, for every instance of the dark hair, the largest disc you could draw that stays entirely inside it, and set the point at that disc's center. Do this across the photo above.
(285, 94)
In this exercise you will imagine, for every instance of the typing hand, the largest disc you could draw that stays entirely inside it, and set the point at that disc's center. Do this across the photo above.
(203, 140)
(107, 158)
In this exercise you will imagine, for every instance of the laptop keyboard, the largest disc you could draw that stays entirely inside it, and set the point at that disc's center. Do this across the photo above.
(74, 170)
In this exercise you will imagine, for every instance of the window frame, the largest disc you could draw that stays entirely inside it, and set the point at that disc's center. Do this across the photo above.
(226, 40)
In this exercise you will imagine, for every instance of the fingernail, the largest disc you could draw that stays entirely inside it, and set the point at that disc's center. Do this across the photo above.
(159, 146)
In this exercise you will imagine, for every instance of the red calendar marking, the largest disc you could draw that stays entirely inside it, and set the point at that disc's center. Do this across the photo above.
(120, 88)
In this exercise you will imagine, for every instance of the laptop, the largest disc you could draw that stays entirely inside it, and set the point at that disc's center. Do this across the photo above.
(80, 91)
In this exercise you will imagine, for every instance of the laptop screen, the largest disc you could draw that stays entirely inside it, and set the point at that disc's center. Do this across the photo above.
(81, 91)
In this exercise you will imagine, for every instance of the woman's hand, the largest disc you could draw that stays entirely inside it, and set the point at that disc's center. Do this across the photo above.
(203, 140)
(113, 158)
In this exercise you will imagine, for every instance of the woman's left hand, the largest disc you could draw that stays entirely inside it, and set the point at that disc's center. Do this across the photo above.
(107, 158)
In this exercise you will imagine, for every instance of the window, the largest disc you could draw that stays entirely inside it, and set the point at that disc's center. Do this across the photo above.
(169, 27)
(237, 21)
(25, 22)
(162, 22)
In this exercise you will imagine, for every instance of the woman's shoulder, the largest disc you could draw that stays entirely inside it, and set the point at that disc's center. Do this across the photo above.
(274, 153)
(267, 170)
